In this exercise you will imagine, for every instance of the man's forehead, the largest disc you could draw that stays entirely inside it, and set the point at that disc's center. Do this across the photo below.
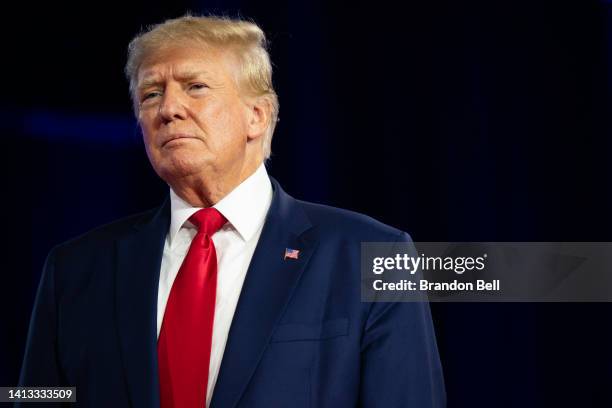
(181, 62)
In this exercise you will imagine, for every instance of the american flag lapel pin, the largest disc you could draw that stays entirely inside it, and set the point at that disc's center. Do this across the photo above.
(291, 253)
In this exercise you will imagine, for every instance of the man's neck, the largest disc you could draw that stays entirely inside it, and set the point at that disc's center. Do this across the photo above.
(205, 190)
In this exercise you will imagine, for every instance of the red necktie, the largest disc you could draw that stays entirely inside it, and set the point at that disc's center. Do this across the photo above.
(183, 348)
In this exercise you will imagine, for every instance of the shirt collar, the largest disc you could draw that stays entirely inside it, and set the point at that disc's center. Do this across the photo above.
(245, 207)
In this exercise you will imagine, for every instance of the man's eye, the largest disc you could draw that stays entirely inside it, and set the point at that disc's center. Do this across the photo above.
(197, 86)
(150, 95)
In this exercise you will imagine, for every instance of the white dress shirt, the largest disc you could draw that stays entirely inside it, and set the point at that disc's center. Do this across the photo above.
(245, 208)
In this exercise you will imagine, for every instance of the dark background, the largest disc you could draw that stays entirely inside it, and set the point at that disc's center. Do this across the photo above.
(464, 121)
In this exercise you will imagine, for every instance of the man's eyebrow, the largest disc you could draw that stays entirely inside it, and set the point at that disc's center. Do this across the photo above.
(149, 82)
(189, 74)
(184, 75)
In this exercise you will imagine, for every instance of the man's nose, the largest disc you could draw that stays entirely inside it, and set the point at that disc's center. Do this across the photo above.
(172, 105)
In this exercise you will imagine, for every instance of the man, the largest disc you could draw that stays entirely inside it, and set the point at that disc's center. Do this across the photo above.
(232, 293)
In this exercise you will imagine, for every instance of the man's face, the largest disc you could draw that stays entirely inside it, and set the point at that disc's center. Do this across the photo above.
(192, 116)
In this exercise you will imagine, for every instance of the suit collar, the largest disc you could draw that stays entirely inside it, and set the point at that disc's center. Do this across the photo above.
(138, 263)
(267, 289)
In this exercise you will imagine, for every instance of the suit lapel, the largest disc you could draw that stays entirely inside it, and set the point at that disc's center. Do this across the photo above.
(267, 288)
(138, 264)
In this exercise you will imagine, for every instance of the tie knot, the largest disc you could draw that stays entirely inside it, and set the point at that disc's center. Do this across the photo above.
(208, 220)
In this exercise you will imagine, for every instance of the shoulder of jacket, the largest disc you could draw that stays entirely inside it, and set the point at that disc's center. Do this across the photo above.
(338, 221)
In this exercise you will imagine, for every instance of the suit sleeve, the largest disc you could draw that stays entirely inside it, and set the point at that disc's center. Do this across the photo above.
(399, 356)
(40, 367)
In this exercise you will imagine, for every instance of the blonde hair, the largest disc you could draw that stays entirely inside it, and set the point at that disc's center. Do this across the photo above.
(244, 38)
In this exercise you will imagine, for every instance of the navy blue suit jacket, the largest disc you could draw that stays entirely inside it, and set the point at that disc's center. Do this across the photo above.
(300, 336)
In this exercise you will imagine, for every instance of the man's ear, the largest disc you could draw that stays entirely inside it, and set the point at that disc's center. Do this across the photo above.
(260, 114)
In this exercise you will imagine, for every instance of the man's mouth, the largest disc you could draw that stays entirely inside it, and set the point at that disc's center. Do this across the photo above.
(177, 136)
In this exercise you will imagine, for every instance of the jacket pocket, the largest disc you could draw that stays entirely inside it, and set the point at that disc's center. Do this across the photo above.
(310, 332)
